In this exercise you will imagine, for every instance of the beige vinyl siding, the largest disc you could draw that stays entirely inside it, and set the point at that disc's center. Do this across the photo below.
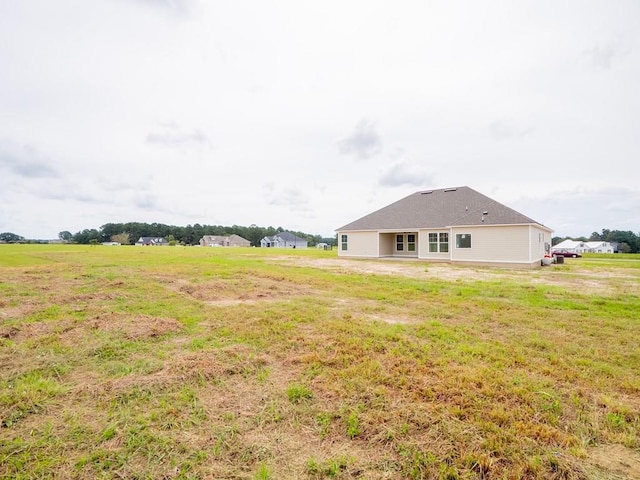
(538, 237)
(515, 245)
(359, 244)
(387, 244)
(508, 244)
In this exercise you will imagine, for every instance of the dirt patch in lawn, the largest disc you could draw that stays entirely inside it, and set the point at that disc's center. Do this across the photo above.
(576, 278)
(35, 330)
(74, 332)
(239, 290)
(20, 311)
(136, 327)
(183, 367)
(393, 320)
(617, 459)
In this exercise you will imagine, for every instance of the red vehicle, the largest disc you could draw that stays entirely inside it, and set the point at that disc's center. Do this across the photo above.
(565, 253)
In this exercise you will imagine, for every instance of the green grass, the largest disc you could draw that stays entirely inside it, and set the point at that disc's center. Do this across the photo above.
(177, 362)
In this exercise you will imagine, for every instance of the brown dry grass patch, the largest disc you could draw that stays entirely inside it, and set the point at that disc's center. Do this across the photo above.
(235, 291)
(135, 327)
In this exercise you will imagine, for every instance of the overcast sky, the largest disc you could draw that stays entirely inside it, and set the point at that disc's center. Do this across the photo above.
(309, 115)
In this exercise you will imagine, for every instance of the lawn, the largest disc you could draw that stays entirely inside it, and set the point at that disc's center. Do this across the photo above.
(202, 363)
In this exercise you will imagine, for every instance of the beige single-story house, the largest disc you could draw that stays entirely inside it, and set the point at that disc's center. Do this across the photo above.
(224, 241)
(456, 225)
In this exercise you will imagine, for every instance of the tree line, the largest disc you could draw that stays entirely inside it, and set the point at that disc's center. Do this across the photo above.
(129, 233)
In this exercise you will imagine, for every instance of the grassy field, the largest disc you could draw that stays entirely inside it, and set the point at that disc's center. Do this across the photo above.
(203, 363)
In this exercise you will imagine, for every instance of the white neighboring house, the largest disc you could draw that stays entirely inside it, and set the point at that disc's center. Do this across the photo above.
(573, 246)
(600, 247)
(457, 225)
(578, 246)
(283, 240)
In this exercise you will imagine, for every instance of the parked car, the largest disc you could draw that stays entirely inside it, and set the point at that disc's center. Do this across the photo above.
(565, 253)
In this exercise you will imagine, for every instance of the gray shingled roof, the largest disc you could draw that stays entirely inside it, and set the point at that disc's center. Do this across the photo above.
(440, 208)
(287, 237)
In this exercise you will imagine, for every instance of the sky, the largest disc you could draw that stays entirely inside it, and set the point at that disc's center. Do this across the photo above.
(309, 115)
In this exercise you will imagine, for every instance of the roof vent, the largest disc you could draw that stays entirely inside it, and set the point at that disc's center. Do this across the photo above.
(427, 192)
(450, 189)
(485, 213)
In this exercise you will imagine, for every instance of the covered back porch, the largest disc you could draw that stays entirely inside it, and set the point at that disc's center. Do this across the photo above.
(398, 244)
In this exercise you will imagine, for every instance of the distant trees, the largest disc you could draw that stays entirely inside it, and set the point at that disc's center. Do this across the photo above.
(10, 237)
(127, 233)
(628, 242)
(87, 235)
(65, 236)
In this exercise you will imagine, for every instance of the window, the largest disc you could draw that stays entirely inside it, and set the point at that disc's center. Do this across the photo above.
(439, 242)
(433, 242)
(444, 242)
(463, 240)
(399, 243)
(343, 241)
(411, 243)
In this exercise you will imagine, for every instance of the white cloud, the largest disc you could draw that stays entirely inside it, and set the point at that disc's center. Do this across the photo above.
(174, 7)
(172, 136)
(401, 174)
(601, 56)
(509, 129)
(285, 196)
(25, 161)
(581, 211)
(364, 142)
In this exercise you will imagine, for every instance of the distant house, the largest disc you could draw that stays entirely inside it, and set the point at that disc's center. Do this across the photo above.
(152, 241)
(224, 241)
(457, 225)
(600, 247)
(574, 246)
(283, 240)
(578, 246)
